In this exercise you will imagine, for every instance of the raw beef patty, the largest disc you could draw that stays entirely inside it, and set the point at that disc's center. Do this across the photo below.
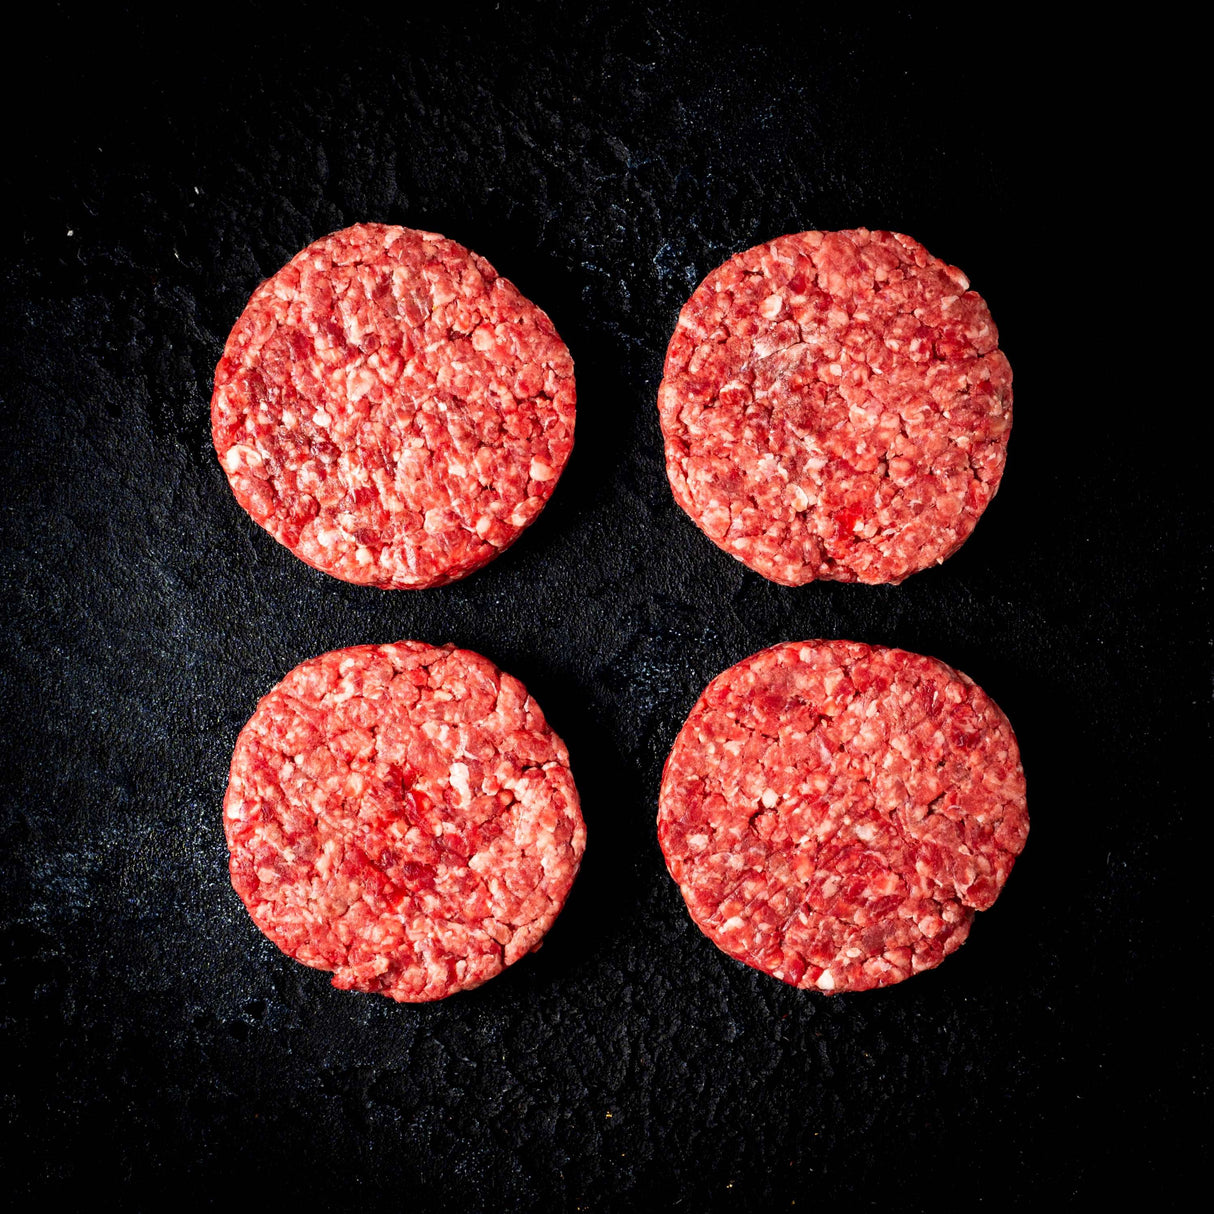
(835, 813)
(403, 816)
(391, 410)
(835, 405)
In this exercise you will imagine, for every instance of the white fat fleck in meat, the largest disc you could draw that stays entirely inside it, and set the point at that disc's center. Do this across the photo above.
(360, 382)
(241, 456)
(459, 781)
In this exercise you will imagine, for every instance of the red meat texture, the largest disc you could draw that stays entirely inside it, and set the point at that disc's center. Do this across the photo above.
(835, 813)
(391, 410)
(403, 816)
(834, 406)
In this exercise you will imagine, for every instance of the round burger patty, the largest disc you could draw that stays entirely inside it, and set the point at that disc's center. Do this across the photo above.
(403, 816)
(835, 813)
(834, 405)
(391, 410)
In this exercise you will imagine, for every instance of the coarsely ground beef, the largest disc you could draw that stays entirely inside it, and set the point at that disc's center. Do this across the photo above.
(834, 405)
(403, 816)
(391, 410)
(835, 813)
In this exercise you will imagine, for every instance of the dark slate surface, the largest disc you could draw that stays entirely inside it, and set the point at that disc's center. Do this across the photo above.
(605, 160)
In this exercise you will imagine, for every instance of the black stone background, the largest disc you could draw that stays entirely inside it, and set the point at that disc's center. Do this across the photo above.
(605, 158)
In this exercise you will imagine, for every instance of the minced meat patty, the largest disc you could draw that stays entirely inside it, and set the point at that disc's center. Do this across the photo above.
(403, 816)
(391, 410)
(835, 813)
(835, 406)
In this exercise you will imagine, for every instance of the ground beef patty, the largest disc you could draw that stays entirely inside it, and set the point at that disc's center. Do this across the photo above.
(391, 410)
(402, 816)
(835, 813)
(834, 406)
